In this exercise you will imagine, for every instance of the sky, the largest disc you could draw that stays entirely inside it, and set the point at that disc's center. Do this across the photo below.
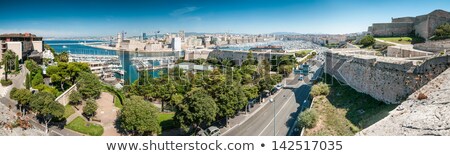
(79, 18)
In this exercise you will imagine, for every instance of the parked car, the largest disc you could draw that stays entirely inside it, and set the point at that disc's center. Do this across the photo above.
(213, 131)
(300, 78)
(201, 133)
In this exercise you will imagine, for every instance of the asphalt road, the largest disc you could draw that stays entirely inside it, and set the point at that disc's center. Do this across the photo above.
(287, 107)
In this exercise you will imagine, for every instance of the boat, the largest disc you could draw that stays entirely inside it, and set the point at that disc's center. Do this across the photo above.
(64, 46)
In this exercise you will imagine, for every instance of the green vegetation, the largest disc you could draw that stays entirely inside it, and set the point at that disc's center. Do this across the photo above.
(302, 53)
(399, 40)
(8, 58)
(37, 80)
(117, 102)
(90, 108)
(6, 82)
(367, 40)
(47, 109)
(442, 32)
(89, 85)
(139, 117)
(82, 126)
(203, 97)
(166, 121)
(197, 108)
(118, 95)
(345, 111)
(28, 81)
(320, 89)
(22, 96)
(65, 74)
(75, 98)
(68, 111)
(307, 119)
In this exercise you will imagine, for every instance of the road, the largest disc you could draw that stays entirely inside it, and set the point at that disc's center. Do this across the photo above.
(287, 105)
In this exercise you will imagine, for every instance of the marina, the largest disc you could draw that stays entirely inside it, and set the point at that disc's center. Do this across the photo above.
(122, 65)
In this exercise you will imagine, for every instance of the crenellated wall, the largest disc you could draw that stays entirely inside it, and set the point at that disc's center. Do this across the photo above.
(389, 80)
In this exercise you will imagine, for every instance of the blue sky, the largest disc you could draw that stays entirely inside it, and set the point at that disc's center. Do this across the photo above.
(102, 18)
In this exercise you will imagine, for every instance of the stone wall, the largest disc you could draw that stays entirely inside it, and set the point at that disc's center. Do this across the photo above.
(64, 97)
(423, 26)
(403, 20)
(392, 29)
(405, 52)
(429, 116)
(434, 46)
(390, 81)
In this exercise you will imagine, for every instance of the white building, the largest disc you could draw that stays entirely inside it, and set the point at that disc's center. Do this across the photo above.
(176, 44)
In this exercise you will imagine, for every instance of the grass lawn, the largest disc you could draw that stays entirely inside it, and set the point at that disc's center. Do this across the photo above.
(166, 121)
(345, 111)
(82, 126)
(399, 40)
(117, 102)
(68, 111)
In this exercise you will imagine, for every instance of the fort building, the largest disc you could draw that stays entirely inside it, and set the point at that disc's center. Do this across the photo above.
(423, 26)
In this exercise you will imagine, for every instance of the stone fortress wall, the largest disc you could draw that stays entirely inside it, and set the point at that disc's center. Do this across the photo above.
(434, 46)
(405, 52)
(390, 80)
(423, 25)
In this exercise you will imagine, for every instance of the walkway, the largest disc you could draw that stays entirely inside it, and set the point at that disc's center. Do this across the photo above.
(107, 114)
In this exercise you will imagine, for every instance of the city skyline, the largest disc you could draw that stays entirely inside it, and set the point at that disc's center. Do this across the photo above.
(106, 18)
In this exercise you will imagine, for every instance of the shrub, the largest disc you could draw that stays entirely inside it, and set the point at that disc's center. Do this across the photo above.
(442, 31)
(37, 79)
(75, 98)
(6, 82)
(320, 89)
(90, 108)
(367, 40)
(307, 119)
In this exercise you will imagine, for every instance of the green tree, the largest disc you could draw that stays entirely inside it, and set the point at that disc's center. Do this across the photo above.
(28, 81)
(62, 57)
(198, 108)
(7, 60)
(367, 40)
(320, 89)
(89, 85)
(139, 117)
(66, 73)
(16, 63)
(307, 119)
(443, 31)
(22, 96)
(75, 98)
(90, 108)
(37, 80)
(46, 107)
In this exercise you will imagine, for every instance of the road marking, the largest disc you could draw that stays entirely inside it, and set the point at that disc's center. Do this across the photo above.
(276, 115)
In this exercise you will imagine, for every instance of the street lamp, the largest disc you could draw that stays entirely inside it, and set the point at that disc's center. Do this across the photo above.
(273, 103)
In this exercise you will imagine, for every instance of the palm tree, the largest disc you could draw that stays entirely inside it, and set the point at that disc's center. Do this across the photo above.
(7, 58)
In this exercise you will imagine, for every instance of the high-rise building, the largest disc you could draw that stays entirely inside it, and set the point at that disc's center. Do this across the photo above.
(176, 44)
(144, 36)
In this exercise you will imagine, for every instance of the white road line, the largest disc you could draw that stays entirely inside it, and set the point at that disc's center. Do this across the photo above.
(276, 114)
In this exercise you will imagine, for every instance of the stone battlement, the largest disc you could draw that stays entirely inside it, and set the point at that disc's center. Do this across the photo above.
(387, 79)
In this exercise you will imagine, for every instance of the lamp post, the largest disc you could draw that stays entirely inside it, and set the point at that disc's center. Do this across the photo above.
(273, 103)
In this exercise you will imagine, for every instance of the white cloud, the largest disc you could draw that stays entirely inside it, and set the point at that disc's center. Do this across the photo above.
(183, 11)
